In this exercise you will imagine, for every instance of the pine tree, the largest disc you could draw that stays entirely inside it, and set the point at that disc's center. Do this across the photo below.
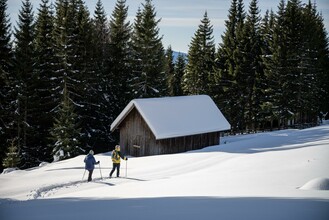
(149, 78)
(276, 66)
(201, 57)
(228, 63)
(100, 40)
(65, 132)
(12, 158)
(120, 63)
(179, 71)
(292, 88)
(170, 71)
(319, 40)
(25, 54)
(86, 88)
(101, 93)
(6, 80)
(315, 54)
(251, 78)
(47, 80)
(268, 111)
(73, 48)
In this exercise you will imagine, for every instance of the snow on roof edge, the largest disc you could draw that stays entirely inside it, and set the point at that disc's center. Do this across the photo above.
(160, 137)
(122, 115)
(135, 103)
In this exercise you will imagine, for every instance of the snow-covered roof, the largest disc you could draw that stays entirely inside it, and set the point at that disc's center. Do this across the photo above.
(171, 117)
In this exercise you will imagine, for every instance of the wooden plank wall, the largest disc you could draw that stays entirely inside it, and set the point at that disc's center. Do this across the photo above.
(134, 131)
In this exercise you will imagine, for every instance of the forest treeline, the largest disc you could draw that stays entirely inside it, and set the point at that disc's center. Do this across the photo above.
(65, 74)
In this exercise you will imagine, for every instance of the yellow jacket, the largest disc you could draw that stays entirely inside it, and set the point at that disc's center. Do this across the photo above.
(116, 155)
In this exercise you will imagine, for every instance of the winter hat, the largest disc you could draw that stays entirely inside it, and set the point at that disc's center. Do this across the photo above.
(117, 147)
(91, 152)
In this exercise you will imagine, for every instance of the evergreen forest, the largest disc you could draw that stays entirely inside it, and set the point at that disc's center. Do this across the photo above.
(65, 74)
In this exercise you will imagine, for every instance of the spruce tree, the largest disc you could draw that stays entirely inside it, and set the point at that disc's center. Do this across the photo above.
(102, 93)
(65, 133)
(238, 109)
(12, 158)
(292, 88)
(180, 65)
(251, 76)
(25, 61)
(47, 80)
(73, 48)
(268, 113)
(86, 88)
(276, 66)
(201, 57)
(319, 40)
(229, 58)
(314, 61)
(100, 40)
(6, 80)
(120, 63)
(170, 71)
(149, 78)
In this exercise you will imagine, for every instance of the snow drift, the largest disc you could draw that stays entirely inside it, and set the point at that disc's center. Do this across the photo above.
(256, 176)
(317, 184)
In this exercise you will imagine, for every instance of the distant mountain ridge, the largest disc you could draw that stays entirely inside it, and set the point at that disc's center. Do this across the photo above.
(176, 54)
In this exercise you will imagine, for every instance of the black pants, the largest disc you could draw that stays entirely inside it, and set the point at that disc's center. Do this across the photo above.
(90, 175)
(115, 166)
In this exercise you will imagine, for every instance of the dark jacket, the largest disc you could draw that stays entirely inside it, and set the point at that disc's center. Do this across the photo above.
(90, 162)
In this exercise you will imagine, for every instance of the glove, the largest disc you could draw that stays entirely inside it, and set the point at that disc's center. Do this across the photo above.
(98, 162)
(126, 158)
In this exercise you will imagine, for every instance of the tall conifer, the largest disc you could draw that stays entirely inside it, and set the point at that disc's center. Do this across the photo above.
(102, 93)
(149, 78)
(228, 63)
(177, 79)
(65, 133)
(252, 77)
(25, 60)
(170, 70)
(46, 79)
(6, 80)
(120, 63)
(201, 57)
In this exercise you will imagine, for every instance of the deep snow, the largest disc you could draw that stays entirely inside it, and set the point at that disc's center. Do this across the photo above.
(273, 175)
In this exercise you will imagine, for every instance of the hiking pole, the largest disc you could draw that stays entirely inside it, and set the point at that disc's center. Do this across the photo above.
(100, 170)
(84, 174)
(126, 167)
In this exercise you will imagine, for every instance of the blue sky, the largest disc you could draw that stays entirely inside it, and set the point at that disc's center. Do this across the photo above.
(179, 18)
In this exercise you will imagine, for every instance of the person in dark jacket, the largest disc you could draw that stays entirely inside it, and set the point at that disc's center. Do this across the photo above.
(116, 155)
(90, 164)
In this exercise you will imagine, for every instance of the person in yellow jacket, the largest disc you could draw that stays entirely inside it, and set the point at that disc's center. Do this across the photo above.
(116, 158)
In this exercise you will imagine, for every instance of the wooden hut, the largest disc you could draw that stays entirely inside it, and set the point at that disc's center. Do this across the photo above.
(153, 126)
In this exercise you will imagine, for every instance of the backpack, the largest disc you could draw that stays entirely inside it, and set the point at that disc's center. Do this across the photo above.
(114, 154)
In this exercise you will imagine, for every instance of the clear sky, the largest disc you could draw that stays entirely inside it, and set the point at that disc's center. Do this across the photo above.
(179, 18)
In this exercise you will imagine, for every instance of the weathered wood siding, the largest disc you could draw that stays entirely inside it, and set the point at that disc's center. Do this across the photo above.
(135, 131)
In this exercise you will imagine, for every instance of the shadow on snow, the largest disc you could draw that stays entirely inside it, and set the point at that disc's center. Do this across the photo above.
(166, 208)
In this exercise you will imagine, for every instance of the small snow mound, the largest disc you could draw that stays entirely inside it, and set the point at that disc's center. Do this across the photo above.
(9, 170)
(43, 164)
(317, 184)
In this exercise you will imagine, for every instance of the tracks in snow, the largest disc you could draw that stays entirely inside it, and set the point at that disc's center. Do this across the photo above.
(48, 191)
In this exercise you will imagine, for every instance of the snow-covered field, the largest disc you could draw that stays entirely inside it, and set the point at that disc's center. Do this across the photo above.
(275, 175)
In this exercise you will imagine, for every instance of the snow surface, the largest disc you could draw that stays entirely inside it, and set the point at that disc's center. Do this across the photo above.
(178, 116)
(257, 176)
